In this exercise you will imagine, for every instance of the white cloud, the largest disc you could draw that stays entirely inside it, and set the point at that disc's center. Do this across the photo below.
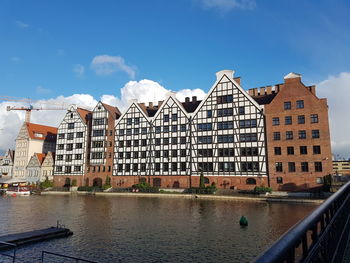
(79, 70)
(106, 65)
(225, 6)
(182, 94)
(337, 91)
(41, 90)
(21, 24)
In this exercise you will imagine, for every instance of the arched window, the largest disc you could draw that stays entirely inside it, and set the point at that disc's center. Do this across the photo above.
(176, 184)
(206, 180)
(142, 180)
(157, 182)
(67, 182)
(97, 182)
(250, 181)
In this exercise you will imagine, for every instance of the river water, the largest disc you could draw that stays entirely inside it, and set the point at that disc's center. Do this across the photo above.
(147, 229)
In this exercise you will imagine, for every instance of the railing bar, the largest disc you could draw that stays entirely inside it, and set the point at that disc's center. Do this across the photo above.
(304, 246)
(60, 255)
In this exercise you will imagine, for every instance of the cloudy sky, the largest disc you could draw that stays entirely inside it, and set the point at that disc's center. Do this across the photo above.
(84, 51)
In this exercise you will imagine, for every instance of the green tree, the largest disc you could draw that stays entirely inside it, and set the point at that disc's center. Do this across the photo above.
(201, 181)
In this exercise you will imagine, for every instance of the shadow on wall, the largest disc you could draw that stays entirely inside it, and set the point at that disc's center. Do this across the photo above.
(292, 187)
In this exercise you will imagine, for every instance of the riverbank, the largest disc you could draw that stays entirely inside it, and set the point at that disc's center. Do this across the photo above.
(195, 196)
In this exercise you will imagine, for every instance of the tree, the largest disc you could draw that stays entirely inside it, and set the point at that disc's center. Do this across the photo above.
(201, 181)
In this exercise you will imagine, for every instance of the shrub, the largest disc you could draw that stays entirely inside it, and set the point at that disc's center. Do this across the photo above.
(89, 189)
(74, 182)
(145, 188)
(46, 184)
(262, 189)
(107, 183)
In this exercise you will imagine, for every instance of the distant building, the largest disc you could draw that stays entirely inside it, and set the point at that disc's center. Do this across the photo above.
(47, 167)
(297, 134)
(6, 164)
(40, 168)
(341, 168)
(32, 138)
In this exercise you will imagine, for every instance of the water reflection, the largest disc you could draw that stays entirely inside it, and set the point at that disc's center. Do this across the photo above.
(143, 229)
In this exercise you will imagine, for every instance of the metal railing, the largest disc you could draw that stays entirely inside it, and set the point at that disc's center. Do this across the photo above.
(13, 246)
(321, 237)
(77, 260)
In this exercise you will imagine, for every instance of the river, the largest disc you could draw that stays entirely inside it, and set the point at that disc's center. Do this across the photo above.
(147, 229)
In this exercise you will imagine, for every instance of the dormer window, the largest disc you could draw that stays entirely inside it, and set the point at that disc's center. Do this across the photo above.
(39, 135)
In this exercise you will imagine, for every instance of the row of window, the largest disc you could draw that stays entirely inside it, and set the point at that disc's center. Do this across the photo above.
(288, 120)
(100, 144)
(135, 167)
(302, 149)
(225, 112)
(68, 169)
(70, 136)
(315, 134)
(69, 157)
(304, 167)
(69, 146)
(100, 121)
(299, 105)
(98, 169)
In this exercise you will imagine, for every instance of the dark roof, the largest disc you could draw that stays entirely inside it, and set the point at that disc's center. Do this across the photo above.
(151, 111)
(191, 106)
(264, 99)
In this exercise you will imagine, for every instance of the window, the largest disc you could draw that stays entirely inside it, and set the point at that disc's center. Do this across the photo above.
(279, 167)
(226, 152)
(59, 157)
(275, 121)
(204, 152)
(225, 138)
(78, 145)
(166, 154)
(224, 99)
(136, 143)
(205, 139)
(288, 120)
(183, 127)
(278, 151)
(174, 167)
(128, 143)
(58, 168)
(205, 167)
(287, 105)
(97, 155)
(315, 134)
(303, 149)
(166, 129)
(121, 144)
(249, 151)
(157, 154)
(137, 121)
(143, 130)
(69, 157)
(127, 167)
(290, 150)
(120, 155)
(157, 141)
(174, 140)
(248, 137)
(316, 149)
(143, 142)
(120, 167)
(304, 167)
(174, 128)
(225, 125)
(302, 134)
(100, 121)
(129, 121)
(183, 140)
(301, 119)
(183, 152)
(174, 117)
(69, 147)
(97, 133)
(143, 167)
(314, 118)
(136, 131)
(70, 136)
(204, 127)
(173, 153)
(246, 123)
(128, 155)
(80, 134)
(128, 132)
(300, 104)
(241, 110)
(289, 135)
(318, 166)
(135, 167)
(157, 167)
(279, 180)
(60, 147)
(61, 136)
(276, 136)
(71, 125)
(165, 141)
(136, 155)
(166, 117)
(209, 113)
(250, 181)
(291, 167)
(225, 112)
(249, 166)
(183, 167)
(68, 169)
(165, 167)
(158, 129)
(227, 167)
(143, 154)
(77, 168)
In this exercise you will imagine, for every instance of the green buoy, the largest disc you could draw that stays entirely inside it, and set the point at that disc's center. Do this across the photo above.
(243, 221)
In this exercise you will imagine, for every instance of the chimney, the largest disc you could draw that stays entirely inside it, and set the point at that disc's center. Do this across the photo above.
(150, 104)
(262, 91)
(292, 77)
(238, 80)
(194, 98)
(143, 104)
(229, 73)
(268, 90)
(160, 103)
(251, 92)
(187, 99)
(312, 89)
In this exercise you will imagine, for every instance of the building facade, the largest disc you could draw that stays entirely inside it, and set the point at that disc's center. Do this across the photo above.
(32, 138)
(34, 173)
(341, 168)
(6, 164)
(298, 138)
(73, 141)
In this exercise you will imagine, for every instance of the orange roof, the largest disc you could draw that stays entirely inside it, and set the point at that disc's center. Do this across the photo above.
(41, 157)
(41, 132)
(83, 114)
(112, 109)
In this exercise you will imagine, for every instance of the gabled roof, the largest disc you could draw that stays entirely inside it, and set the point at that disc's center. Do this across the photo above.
(41, 132)
(41, 157)
(149, 111)
(191, 106)
(83, 114)
(264, 99)
(113, 110)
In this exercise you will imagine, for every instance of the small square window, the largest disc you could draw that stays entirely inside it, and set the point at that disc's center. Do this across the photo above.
(275, 121)
(314, 118)
(209, 113)
(303, 149)
(304, 167)
(302, 134)
(315, 134)
(279, 167)
(301, 119)
(241, 110)
(289, 135)
(279, 180)
(288, 120)
(290, 150)
(287, 105)
(276, 136)
(300, 104)
(278, 151)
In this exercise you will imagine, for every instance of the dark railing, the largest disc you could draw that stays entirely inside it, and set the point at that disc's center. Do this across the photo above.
(77, 260)
(321, 237)
(10, 246)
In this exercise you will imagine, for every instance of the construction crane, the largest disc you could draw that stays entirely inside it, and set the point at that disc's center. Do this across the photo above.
(30, 108)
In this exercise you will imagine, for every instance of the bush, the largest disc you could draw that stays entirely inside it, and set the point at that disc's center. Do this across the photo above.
(145, 188)
(262, 189)
(46, 184)
(74, 182)
(107, 183)
(89, 189)
(207, 190)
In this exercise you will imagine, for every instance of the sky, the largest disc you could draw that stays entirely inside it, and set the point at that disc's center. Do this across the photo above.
(80, 52)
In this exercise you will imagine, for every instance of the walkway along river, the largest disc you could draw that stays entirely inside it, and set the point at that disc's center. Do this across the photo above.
(144, 229)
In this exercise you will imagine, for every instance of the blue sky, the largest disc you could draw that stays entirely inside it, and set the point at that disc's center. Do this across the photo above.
(180, 44)
(79, 51)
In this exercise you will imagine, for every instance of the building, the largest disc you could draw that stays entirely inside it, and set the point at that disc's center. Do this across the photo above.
(72, 149)
(6, 164)
(47, 167)
(101, 148)
(341, 167)
(32, 138)
(33, 173)
(171, 144)
(297, 134)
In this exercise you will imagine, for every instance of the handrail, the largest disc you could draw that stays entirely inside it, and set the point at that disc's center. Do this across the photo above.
(320, 222)
(14, 250)
(64, 256)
